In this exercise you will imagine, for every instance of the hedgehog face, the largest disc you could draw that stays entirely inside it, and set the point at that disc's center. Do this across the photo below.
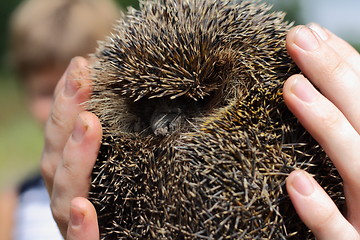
(197, 140)
(163, 116)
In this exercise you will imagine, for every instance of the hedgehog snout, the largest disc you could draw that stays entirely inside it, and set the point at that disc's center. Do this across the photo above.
(167, 122)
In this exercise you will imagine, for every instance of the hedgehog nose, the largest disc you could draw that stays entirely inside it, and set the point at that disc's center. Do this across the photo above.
(163, 124)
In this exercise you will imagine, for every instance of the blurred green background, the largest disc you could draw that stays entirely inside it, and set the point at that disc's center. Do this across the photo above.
(20, 138)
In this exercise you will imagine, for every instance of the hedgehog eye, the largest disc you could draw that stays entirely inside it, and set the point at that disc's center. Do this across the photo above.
(165, 122)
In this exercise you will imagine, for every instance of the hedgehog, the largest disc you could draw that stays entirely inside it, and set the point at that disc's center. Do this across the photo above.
(197, 141)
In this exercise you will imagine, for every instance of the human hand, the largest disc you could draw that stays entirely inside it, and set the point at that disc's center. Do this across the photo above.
(72, 141)
(332, 116)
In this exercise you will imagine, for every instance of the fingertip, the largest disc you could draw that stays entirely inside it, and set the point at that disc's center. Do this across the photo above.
(301, 188)
(84, 213)
(78, 62)
(77, 213)
(291, 81)
(80, 128)
(92, 123)
(290, 37)
(315, 207)
(82, 205)
(81, 66)
(83, 220)
(319, 30)
(292, 32)
(301, 182)
(86, 121)
(298, 91)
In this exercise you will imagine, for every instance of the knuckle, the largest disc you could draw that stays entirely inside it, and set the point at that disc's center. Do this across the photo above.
(324, 219)
(330, 120)
(47, 167)
(48, 144)
(67, 167)
(45, 170)
(67, 160)
(337, 70)
(56, 117)
(60, 215)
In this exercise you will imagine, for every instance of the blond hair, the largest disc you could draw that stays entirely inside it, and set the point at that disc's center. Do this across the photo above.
(45, 32)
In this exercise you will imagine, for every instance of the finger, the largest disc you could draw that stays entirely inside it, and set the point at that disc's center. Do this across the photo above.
(83, 221)
(72, 90)
(341, 47)
(75, 90)
(77, 71)
(73, 175)
(316, 209)
(327, 125)
(335, 78)
(352, 195)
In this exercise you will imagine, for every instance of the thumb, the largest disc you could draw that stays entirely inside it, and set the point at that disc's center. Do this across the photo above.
(83, 221)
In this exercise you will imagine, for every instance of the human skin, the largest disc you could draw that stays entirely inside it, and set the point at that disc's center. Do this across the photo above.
(333, 66)
(72, 141)
(332, 118)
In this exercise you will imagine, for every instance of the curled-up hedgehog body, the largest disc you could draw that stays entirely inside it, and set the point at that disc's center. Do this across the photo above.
(197, 140)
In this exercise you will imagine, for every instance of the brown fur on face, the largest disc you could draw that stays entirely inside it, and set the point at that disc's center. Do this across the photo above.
(197, 139)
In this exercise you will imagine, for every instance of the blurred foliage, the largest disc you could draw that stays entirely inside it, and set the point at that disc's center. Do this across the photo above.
(356, 46)
(125, 3)
(6, 8)
(291, 8)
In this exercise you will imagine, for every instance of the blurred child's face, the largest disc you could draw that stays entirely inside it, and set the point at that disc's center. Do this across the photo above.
(40, 87)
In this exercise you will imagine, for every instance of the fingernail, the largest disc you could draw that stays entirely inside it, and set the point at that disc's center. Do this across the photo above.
(302, 184)
(79, 130)
(319, 30)
(76, 217)
(305, 39)
(71, 84)
(71, 87)
(303, 89)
